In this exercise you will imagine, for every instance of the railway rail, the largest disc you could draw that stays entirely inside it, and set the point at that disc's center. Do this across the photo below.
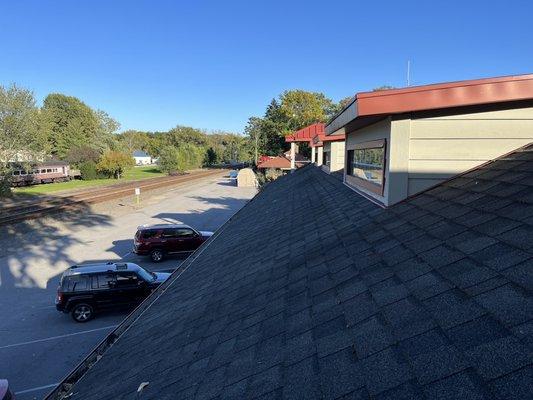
(17, 213)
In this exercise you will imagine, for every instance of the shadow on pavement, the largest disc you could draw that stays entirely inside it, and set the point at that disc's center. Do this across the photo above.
(28, 244)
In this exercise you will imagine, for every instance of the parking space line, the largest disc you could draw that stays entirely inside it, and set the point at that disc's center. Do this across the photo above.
(37, 388)
(57, 337)
(125, 255)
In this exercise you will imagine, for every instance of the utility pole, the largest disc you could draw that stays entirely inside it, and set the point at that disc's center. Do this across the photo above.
(256, 141)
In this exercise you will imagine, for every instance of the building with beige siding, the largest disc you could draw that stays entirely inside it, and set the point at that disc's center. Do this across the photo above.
(403, 141)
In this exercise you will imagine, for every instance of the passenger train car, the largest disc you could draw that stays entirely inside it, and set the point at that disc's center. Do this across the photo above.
(46, 172)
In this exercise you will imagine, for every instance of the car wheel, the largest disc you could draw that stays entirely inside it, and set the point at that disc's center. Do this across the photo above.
(156, 255)
(82, 312)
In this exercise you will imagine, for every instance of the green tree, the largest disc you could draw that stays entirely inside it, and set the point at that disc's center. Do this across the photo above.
(114, 163)
(108, 127)
(186, 134)
(132, 140)
(22, 132)
(341, 105)
(72, 124)
(383, 87)
(294, 110)
(301, 108)
(81, 154)
(211, 156)
(169, 159)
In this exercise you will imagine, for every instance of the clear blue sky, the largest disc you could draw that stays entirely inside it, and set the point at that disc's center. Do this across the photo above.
(212, 64)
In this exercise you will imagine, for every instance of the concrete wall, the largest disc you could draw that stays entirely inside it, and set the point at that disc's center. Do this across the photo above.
(319, 154)
(337, 156)
(336, 153)
(443, 146)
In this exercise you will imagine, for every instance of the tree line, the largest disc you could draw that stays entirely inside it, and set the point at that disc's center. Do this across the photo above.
(66, 128)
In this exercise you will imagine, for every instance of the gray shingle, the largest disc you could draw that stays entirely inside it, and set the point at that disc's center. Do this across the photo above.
(462, 386)
(453, 308)
(340, 374)
(385, 370)
(311, 291)
(438, 364)
(515, 386)
(499, 357)
(509, 304)
(371, 336)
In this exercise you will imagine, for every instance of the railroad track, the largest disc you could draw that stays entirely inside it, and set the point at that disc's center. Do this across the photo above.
(13, 214)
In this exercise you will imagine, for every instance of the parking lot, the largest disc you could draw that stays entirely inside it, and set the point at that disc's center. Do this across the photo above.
(38, 345)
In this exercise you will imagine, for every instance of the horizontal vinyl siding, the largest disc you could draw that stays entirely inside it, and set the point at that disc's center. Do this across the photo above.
(442, 147)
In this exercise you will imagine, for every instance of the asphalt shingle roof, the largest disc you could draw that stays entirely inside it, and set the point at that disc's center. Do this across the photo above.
(313, 292)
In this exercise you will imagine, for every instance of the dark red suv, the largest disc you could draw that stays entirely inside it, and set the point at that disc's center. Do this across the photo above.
(159, 240)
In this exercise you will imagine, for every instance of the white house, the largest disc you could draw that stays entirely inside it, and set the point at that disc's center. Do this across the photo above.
(142, 158)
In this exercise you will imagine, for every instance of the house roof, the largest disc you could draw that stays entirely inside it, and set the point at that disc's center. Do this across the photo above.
(280, 162)
(313, 292)
(368, 105)
(140, 153)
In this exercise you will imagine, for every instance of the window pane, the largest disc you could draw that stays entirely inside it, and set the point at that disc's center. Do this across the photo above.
(185, 232)
(367, 164)
(148, 234)
(104, 280)
(169, 233)
(77, 283)
(127, 279)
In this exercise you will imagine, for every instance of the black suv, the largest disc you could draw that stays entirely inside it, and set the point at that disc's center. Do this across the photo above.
(86, 289)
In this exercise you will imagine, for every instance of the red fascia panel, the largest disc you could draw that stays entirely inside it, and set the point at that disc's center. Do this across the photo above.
(445, 95)
(333, 138)
(306, 134)
(319, 140)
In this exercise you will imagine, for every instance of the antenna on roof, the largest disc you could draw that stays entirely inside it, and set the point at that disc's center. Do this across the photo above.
(408, 72)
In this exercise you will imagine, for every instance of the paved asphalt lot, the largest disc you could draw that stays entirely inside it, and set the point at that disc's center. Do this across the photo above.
(38, 345)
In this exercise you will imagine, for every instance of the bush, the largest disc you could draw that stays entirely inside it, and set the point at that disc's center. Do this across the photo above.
(88, 170)
(178, 159)
(169, 160)
(114, 163)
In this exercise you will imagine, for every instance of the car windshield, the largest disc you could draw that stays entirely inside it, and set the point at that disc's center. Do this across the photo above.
(147, 276)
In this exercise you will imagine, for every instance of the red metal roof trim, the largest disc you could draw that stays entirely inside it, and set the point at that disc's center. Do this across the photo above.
(306, 134)
(319, 140)
(445, 95)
